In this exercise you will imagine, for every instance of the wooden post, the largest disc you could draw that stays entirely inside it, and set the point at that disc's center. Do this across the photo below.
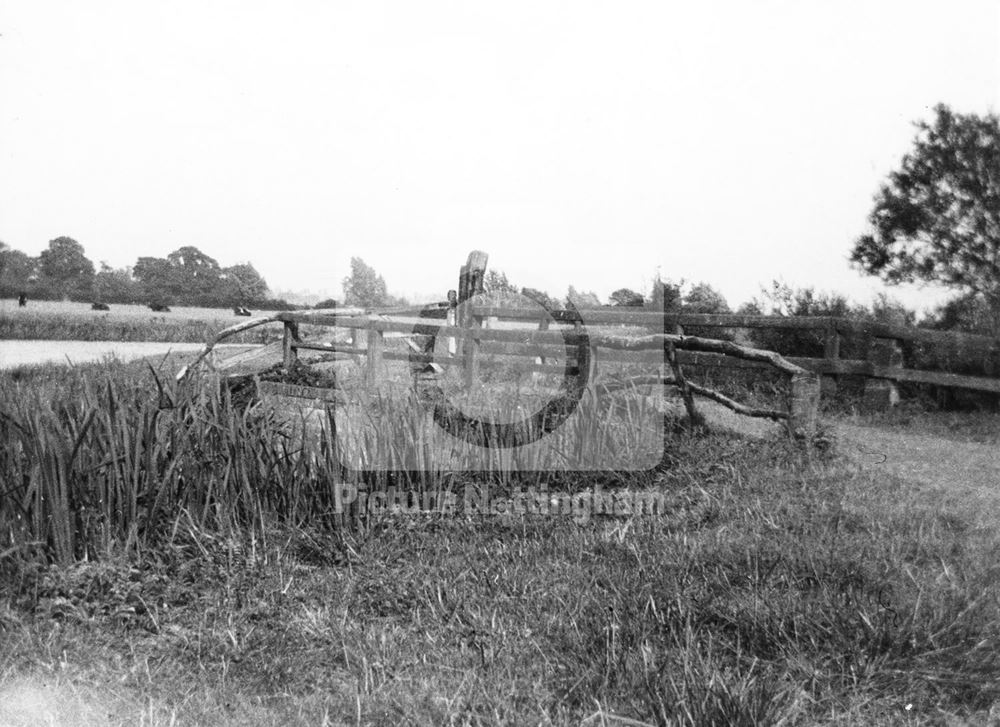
(288, 344)
(881, 392)
(374, 350)
(470, 283)
(831, 353)
(452, 320)
(694, 417)
(803, 405)
(356, 340)
(470, 351)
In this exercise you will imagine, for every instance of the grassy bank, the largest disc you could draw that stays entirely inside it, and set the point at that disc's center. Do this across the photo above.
(201, 574)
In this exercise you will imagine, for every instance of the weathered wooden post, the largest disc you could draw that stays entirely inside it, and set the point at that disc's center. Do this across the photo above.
(291, 336)
(694, 416)
(470, 283)
(831, 355)
(803, 405)
(374, 351)
(881, 391)
(356, 342)
(451, 320)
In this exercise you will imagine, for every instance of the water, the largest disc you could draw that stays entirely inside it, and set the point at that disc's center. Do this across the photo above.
(21, 353)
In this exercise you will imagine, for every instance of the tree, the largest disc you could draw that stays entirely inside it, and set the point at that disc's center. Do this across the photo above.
(65, 269)
(159, 281)
(626, 297)
(582, 299)
(937, 218)
(497, 286)
(703, 298)
(115, 285)
(198, 275)
(666, 295)
(541, 298)
(364, 287)
(16, 271)
(243, 285)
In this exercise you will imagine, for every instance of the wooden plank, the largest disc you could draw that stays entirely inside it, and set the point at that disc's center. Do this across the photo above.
(331, 347)
(253, 361)
(940, 378)
(310, 393)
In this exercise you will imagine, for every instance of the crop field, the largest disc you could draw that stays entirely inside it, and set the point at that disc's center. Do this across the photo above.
(166, 558)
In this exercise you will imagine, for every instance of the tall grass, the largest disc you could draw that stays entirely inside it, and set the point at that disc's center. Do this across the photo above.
(773, 589)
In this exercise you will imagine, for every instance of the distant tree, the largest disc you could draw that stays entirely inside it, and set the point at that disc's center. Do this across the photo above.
(160, 282)
(967, 313)
(16, 272)
(626, 297)
(243, 285)
(582, 299)
(497, 286)
(666, 295)
(326, 303)
(780, 299)
(199, 276)
(937, 218)
(703, 298)
(113, 285)
(542, 298)
(364, 287)
(65, 269)
(889, 310)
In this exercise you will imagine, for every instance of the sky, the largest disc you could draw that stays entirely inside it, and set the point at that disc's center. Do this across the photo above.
(591, 144)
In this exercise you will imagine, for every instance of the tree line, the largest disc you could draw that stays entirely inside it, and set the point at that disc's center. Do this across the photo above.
(187, 276)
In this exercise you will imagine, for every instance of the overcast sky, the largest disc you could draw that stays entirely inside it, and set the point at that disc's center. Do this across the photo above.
(577, 143)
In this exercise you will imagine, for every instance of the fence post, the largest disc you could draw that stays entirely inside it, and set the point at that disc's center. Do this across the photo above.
(291, 335)
(831, 354)
(803, 405)
(470, 348)
(451, 320)
(885, 354)
(356, 343)
(470, 283)
(374, 350)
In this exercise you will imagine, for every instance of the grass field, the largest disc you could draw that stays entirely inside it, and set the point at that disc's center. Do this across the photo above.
(163, 560)
(52, 320)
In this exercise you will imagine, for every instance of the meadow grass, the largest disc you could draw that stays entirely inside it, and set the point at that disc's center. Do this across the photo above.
(171, 545)
(68, 321)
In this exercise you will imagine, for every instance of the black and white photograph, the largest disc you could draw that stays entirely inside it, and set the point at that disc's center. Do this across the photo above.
(528, 363)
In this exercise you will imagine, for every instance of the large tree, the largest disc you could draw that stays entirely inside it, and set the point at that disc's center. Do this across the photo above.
(364, 287)
(937, 218)
(243, 285)
(17, 271)
(65, 268)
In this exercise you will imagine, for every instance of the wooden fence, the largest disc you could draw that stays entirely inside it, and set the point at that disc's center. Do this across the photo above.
(588, 339)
